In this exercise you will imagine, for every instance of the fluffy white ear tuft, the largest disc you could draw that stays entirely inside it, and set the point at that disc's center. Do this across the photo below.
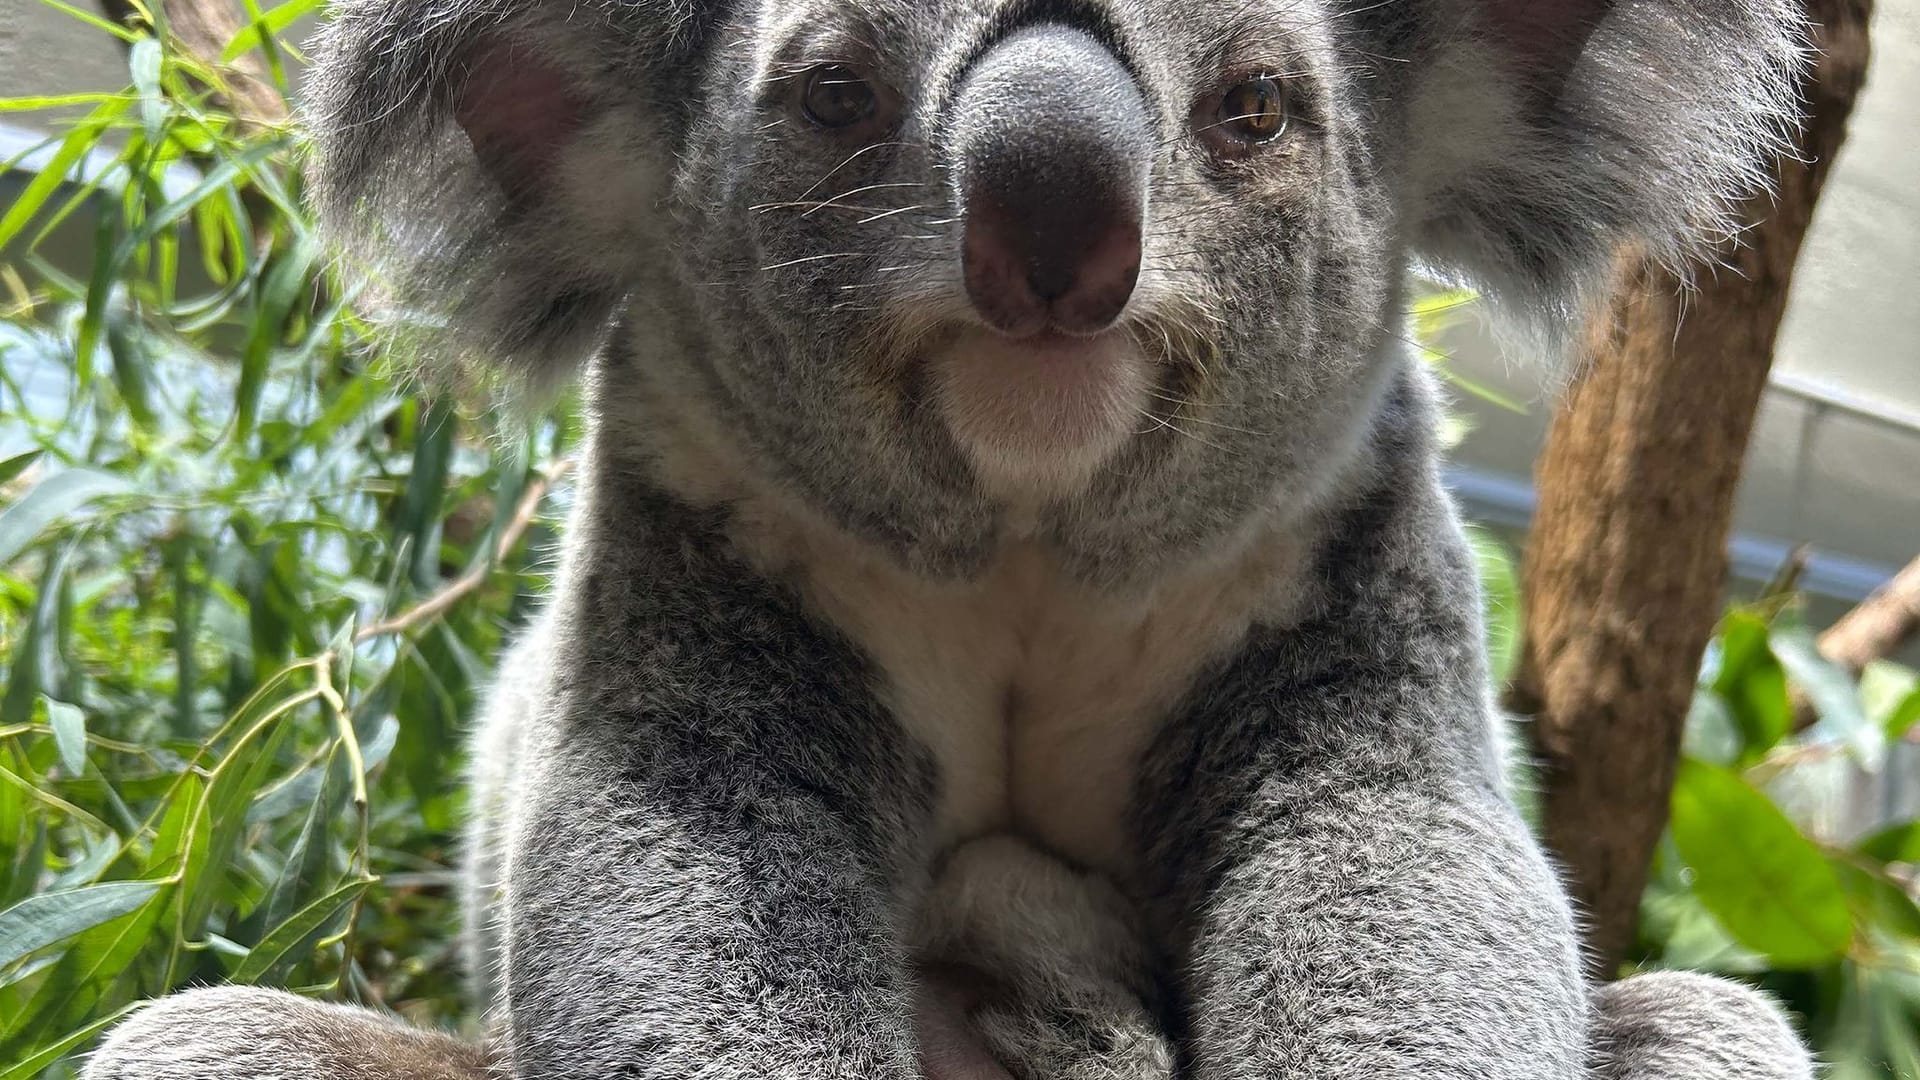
(1547, 134)
(495, 168)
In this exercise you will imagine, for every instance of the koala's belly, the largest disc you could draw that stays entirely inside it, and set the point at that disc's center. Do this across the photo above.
(1038, 697)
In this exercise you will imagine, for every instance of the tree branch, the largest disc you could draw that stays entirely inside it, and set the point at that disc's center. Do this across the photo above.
(1624, 570)
(1871, 631)
(1880, 624)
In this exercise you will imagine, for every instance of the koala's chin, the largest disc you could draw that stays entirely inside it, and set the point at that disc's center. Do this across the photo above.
(1037, 416)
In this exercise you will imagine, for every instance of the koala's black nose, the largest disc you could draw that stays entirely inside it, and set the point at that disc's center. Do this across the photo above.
(1052, 146)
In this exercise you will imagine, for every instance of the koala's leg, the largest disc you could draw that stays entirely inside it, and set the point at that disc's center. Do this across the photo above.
(1032, 970)
(1681, 1026)
(245, 1033)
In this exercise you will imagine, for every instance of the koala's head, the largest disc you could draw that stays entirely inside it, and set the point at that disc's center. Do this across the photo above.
(1120, 269)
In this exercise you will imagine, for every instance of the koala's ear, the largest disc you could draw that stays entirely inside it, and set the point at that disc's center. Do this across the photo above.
(1545, 134)
(496, 167)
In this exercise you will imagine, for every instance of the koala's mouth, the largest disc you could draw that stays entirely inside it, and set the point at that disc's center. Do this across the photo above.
(1037, 415)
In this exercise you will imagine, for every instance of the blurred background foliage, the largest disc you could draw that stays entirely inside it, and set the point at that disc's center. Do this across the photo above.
(251, 584)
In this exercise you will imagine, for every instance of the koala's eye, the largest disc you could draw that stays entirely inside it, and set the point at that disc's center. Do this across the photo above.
(835, 97)
(1243, 116)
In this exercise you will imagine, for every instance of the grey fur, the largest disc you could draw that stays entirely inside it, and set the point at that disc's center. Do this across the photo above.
(708, 841)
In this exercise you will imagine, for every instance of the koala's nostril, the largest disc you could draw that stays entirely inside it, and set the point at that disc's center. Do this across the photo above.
(1052, 147)
(1050, 278)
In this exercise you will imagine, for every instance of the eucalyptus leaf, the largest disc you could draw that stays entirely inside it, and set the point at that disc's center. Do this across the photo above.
(1771, 887)
(300, 929)
(51, 501)
(1832, 692)
(69, 726)
(53, 917)
(18, 463)
(1752, 683)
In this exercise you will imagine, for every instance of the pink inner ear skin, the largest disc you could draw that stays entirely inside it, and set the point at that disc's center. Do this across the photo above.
(519, 111)
(1542, 37)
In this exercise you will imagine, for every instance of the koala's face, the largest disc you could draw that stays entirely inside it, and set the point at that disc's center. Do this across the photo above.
(1107, 272)
(1123, 268)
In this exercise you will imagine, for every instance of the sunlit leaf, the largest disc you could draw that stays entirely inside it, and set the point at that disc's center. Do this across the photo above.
(55, 171)
(51, 501)
(273, 22)
(17, 464)
(69, 726)
(143, 63)
(1832, 692)
(1500, 588)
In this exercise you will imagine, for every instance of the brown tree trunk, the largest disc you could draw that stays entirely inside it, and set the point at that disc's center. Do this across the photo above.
(1627, 559)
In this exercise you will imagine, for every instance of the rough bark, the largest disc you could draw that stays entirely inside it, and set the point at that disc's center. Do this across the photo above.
(1625, 567)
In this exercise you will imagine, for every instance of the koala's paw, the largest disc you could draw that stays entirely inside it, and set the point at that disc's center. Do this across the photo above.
(246, 1033)
(1673, 1024)
(1114, 1039)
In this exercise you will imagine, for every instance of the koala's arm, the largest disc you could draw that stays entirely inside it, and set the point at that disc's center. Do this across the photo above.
(1382, 932)
(714, 827)
(652, 926)
(1349, 894)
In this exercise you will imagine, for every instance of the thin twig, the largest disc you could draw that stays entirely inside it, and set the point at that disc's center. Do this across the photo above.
(452, 593)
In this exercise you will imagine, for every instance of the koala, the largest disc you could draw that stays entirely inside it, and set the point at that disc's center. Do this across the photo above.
(1011, 624)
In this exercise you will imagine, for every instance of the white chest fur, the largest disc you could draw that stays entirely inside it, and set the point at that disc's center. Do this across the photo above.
(1037, 695)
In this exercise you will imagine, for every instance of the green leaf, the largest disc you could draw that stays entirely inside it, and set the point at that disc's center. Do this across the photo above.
(130, 365)
(54, 173)
(50, 918)
(1890, 694)
(54, 101)
(1902, 717)
(100, 291)
(1831, 690)
(307, 859)
(1880, 901)
(88, 972)
(218, 180)
(1752, 683)
(36, 1062)
(277, 296)
(303, 927)
(52, 500)
(69, 734)
(35, 666)
(1770, 886)
(418, 518)
(1896, 843)
(143, 64)
(272, 24)
(236, 778)
(93, 20)
(17, 464)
